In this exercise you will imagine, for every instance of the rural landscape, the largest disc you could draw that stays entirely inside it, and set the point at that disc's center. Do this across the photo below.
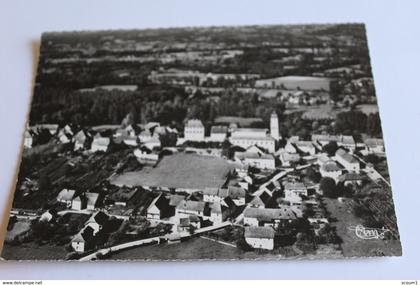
(221, 143)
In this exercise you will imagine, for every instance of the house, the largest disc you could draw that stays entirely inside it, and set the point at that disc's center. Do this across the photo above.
(145, 135)
(152, 143)
(194, 130)
(92, 200)
(322, 158)
(28, 139)
(218, 133)
(185, 208)
(306, 147)
(159, 208)
(126, 132)
(97, 221)
(246, 137)
(174, 200)
(268, 217)
(375, 146)
(260, 201)
(68, 130)
(48, 216)
(353, 179)
(330, 169)
(51, 128)
(241, 169)
(79, 203)
(342, 141)
(237, 194)
(245, 181)
(123, 196)
(87, 201)
(215, 213)
(127, 135)
(100, 143)
(262, 161)
(290, 148)
(82, 240)
(260, 237)
(66, 196)
(130, 141)
(293, 192)
(64, 137)
(211, 194)
(347, 160)
(131, 130)
(287, 159)
(146, 156)
(82, 139)
(347, 142)
(189, 223)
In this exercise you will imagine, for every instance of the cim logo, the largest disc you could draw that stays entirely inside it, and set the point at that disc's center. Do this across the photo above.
(368, 233)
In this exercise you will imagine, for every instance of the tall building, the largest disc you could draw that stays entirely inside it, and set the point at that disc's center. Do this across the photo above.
(245, 138)
(194, 130)
(274, 126)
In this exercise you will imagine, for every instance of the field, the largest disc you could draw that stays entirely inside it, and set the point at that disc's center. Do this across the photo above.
(352, 245)
(196, 248)
(242, 122)
(31, 251)
(187, 171)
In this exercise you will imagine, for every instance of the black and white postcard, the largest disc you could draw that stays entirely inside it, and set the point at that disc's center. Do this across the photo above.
(220, 143)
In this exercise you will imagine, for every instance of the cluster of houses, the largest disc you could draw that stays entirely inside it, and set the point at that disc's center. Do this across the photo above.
(261, 208)
(81, 201)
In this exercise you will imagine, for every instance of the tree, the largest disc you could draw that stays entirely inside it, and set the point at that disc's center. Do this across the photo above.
(168, 139)
(313, 175)
(330, 148)
(328, 187)
(348, 122)
(226, 148)
(373, 125)
(305, 242)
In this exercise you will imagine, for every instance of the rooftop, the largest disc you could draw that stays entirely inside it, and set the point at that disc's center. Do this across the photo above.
(194, 124)
(346, 156)
(259, 232)
(330, 166)
(218, 130)
(191, 205)
(252, 155)
(268, 215)
(66, 195)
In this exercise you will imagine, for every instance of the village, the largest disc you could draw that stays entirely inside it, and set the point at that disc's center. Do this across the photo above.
(228, 147)
(265, 189)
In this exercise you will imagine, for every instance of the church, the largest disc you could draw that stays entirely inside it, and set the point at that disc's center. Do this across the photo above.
(246, 137)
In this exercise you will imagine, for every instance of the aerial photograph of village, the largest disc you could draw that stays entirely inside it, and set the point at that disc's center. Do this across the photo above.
(209, 143)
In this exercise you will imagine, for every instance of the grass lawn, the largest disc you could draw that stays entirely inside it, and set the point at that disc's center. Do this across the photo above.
(179, 171)
(32, 251)
(352, 245)
(18, 228)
